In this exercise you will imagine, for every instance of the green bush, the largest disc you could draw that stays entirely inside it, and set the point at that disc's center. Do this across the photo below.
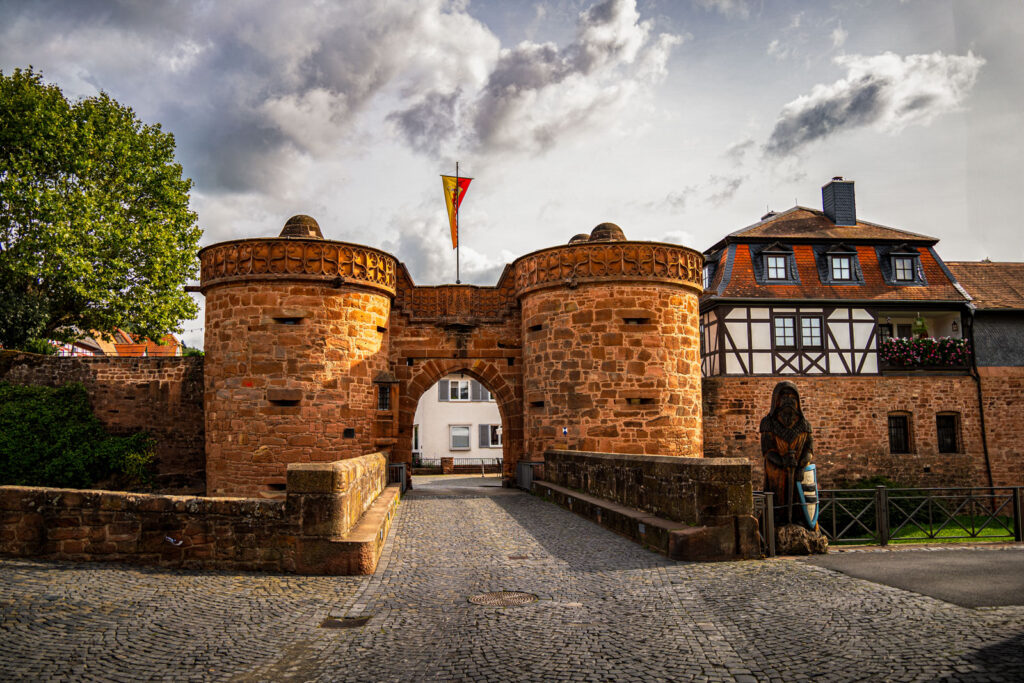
(50, 437)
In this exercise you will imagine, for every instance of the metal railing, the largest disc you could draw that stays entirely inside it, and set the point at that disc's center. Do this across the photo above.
(764, 511)
(888, 515)
(884, 515)
(396, 474)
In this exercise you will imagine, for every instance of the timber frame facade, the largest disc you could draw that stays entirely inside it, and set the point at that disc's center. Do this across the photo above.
(808, 292)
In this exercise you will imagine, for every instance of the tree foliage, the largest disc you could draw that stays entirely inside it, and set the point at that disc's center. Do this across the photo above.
(95, 227)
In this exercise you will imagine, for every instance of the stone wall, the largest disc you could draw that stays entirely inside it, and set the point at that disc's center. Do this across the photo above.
(849, 418)
(710, 500)
(1003, 397)
(613, 367)
(163, 396)
(334, 521)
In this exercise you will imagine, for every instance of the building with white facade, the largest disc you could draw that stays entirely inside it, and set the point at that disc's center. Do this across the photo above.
(457, 418)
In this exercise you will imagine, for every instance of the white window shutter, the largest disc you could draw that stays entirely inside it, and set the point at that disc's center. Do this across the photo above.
(442, 390)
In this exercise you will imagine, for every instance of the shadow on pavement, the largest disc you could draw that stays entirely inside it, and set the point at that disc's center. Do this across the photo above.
(969, 578)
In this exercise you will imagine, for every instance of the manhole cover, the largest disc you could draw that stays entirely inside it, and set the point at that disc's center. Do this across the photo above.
(503, 599)
(347, 622)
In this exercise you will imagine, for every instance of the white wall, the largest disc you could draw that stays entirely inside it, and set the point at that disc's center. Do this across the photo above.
(434, 417)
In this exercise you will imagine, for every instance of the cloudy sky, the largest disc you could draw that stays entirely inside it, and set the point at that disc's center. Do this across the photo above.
(680, 121)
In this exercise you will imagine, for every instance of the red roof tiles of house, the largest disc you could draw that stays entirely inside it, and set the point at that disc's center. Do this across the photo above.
(803, 223)
(800, 229)
(993, 286)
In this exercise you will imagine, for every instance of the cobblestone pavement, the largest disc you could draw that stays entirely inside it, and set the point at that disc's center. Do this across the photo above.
(608, 610)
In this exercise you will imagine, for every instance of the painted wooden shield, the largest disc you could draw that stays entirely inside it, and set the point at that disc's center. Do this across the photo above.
(808, 492)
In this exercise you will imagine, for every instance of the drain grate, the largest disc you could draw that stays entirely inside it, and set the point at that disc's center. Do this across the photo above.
(346, 622)
(503, 599)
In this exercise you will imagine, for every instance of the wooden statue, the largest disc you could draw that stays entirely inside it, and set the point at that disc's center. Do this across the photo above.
(787, 449)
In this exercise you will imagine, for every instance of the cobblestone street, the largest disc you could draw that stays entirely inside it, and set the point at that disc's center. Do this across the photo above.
(607, 610)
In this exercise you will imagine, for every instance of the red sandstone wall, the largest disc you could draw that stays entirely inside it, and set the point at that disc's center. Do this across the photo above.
(174, 531)
(163, 396)
(849, 418)
(1003, 391)
(327, 362)
(585, 363)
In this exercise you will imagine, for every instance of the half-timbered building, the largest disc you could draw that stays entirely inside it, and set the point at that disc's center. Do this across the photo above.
(809, 292)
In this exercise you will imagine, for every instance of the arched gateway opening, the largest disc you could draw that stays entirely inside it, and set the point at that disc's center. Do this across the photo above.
(426, 377)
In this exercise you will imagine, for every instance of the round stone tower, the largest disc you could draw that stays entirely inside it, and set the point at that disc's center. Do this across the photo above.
(296, 332)
(611, 346)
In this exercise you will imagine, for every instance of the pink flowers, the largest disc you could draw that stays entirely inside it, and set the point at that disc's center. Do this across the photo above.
(928, 351)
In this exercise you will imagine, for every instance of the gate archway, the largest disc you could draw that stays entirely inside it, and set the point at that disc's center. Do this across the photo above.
(503, 383)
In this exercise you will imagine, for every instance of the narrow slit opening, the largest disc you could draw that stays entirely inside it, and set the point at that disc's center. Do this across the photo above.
(285, 401)
(535, 328)
(637, 321)
(288, 321)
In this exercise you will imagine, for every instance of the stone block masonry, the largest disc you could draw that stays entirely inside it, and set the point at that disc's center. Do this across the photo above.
(849, 419)
(163, 396)
(334, 520)
(1003, 398)
(687, 508)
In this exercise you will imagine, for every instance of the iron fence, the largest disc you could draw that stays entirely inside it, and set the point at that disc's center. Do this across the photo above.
(885, 515)
(888, 515)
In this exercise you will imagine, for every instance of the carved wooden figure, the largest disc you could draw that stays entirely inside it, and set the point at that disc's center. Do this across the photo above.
(787, 448)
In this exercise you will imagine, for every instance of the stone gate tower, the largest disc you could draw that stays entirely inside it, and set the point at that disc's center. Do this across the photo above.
(296, 331)
(611, 346)
(317, 350)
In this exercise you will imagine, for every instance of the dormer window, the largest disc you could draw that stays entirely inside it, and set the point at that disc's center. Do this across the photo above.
(775, 267)
(774, 264)
(709, 273)
(838, 264)
(901, 265)
(903, 268)
(840, 267)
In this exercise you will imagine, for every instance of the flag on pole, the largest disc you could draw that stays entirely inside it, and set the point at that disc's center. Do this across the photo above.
(454, 190)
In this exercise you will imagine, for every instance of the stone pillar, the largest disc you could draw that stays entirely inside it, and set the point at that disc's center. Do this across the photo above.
(296, 330)
(611, 331)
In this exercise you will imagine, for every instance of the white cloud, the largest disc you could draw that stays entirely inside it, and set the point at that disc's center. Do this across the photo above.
(729, 8)
(887, 92)
(839, 36)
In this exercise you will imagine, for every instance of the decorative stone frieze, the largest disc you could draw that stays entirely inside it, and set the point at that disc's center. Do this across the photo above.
(286, 258)
(578, 263)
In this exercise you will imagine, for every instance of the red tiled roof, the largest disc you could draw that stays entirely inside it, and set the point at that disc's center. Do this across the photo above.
(993, 286)
(742, 283)
(803, 223)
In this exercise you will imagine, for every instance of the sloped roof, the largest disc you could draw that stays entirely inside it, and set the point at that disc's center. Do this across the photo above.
(742, 283)
(993, 286)
(803, 223)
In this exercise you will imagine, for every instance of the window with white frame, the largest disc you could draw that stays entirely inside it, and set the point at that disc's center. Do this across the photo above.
(458, 390)
(903, 268)
(490, 436)
(709, 270)
(775, 267)
(785, 331)
(458, 437)
(810, 332)
(841, 267)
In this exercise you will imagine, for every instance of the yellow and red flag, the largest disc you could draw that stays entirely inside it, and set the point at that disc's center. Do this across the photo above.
(454, 190)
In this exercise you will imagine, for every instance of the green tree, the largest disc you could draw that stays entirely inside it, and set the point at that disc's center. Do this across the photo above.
(95, 227)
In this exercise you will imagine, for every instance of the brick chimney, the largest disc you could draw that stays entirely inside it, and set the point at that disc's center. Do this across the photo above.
(838, 203)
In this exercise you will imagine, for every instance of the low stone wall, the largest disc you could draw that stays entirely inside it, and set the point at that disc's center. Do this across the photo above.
(163, 396)
(709, 501)
(333, 521)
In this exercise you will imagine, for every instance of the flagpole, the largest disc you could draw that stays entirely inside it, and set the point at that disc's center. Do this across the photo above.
(457, 202)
